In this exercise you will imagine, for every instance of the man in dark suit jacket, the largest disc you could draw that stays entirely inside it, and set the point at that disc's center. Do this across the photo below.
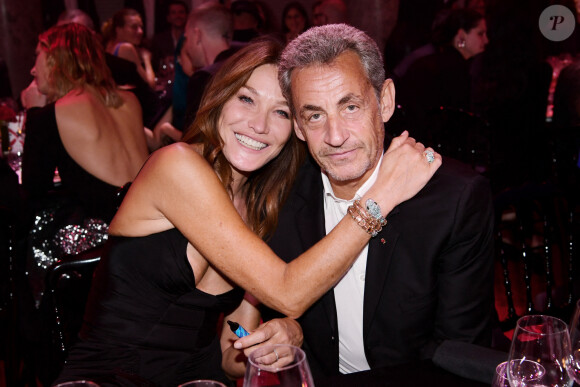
(428, 275)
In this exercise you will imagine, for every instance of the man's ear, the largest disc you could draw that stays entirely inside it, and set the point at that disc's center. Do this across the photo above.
(387, 101)
(298, 131)
(196, 35)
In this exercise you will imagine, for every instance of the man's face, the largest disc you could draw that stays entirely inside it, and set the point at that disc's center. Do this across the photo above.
(177, 15)
(340, 118)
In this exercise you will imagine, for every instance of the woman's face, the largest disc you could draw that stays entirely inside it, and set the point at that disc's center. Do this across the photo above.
(255, 123)
(294, 21)
(132, 31)
(41, 72)
(475, 40)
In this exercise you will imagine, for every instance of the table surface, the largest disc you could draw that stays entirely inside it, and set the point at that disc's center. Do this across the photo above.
(422, 373)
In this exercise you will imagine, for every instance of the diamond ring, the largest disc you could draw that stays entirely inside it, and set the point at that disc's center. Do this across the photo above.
(430, 156)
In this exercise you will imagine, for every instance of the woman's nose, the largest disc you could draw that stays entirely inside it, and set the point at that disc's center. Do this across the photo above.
(259, 123)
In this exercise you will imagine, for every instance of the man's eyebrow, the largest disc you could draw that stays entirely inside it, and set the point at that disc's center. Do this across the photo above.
(310, 108)
(347, 98)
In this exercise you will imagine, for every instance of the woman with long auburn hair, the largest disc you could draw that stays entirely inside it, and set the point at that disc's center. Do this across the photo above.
(184, 244)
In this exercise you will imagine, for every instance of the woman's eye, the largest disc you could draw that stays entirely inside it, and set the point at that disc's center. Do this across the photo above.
(245, 99)
(283, 113)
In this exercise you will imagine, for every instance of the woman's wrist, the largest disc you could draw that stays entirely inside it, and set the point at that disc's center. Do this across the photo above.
(368, 216)
(383, 201)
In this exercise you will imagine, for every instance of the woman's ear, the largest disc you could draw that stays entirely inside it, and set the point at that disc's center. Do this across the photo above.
(460, 37)
(387, 101)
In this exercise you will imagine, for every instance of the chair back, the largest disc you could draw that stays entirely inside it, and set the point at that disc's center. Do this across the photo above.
(8, 311)
(461, 135)
(536, 232)
(68, 284)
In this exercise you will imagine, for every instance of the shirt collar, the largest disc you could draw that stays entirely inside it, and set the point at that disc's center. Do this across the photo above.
(328, 191)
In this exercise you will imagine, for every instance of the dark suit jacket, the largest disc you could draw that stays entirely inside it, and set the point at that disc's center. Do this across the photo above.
(429, 271)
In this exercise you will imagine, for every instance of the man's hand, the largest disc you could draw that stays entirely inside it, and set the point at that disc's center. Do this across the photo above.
(276, 331)
(31, 97)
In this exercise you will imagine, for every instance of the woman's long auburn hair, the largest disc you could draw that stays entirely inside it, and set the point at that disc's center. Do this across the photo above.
(76, 59)
(267, 188)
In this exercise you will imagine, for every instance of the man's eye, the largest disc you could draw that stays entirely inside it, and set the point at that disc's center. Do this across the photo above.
(314, 117)
(352, 108)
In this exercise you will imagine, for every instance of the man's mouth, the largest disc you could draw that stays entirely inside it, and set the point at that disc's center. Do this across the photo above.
(249, 142)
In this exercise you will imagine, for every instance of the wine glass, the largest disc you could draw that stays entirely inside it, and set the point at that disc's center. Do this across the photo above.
(539, 353)
(574, 365)
(280, 365)
(500, 379)
(78, 383)
(202, 383)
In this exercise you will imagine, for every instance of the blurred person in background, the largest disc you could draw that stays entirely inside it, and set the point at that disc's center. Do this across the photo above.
(123, 34)
(164, 44)
(294, 20)
(443, 78)
(248, 20)
(329, 12)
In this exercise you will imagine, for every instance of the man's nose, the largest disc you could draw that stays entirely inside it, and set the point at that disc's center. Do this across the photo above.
(336, 133)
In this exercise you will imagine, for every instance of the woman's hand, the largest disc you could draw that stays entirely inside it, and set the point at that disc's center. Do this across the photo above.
(404, 171)
(145, 55)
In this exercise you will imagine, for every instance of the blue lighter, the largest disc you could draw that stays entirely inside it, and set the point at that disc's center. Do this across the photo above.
(237, 329)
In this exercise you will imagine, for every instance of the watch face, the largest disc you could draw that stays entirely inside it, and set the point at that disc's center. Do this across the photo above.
(373, 209)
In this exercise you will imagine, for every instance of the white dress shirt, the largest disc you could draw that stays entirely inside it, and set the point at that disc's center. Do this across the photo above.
(349, 292)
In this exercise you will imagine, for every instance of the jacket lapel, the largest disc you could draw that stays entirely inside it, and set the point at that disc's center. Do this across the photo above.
(380, 255)
(311, 225)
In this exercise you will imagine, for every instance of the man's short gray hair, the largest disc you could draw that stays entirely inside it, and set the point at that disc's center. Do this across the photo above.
(217, 20)
(322, 45)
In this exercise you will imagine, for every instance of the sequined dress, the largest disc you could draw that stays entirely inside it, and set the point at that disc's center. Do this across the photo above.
(70, 218)
(146, 319)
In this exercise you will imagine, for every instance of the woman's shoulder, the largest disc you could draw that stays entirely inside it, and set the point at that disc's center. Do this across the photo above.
(127, 51)
(130, 99)
(179, 159)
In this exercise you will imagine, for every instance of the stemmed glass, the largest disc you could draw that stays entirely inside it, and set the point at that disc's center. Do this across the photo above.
(278, 365)
(574, 365)
(500, 379)
(540, 353)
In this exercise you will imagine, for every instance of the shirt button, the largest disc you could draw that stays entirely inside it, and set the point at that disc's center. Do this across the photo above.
(362, 277)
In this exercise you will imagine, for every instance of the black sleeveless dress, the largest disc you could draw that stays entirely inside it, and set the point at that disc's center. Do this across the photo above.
(145, 321)
(69, 218)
